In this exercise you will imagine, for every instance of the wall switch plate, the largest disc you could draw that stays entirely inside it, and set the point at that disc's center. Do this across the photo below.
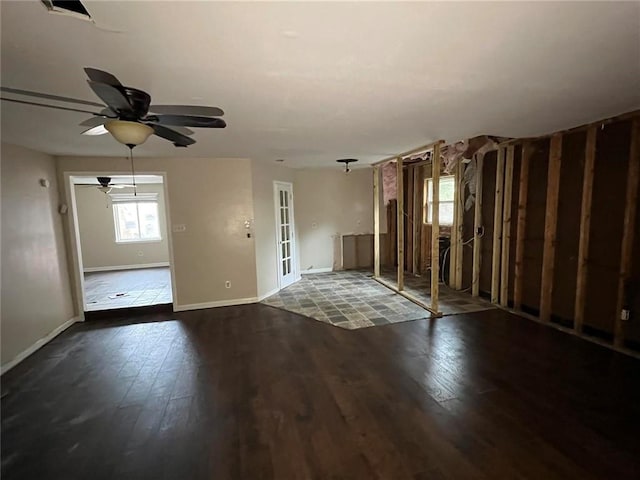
(227, 284)
(179, 228)
(624, 315)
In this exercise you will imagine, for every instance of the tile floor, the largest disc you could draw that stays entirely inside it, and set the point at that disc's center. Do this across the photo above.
(352, 300)
(141, 287)
(450, 301)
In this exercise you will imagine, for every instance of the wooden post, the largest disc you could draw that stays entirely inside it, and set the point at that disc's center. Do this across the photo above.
(417, 219)
(410, 231)
(585, 226)
(400, 222)
(435, 228)
(477, 229)
(629, 227)
(453, 251)
(550, 226)
(458, 212)
(376, 222)
(523, 192)
(506, 227)
(497, 229)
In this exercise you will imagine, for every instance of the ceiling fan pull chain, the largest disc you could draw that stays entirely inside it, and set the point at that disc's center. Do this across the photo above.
(133, 172)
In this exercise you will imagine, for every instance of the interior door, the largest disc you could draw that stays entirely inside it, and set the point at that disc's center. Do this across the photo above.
(285, 233)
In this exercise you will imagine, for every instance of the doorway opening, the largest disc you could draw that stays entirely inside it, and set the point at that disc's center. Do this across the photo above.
(123, 241)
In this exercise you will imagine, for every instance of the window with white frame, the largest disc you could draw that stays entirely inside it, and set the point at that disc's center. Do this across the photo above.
(136, 217)
(447, 195)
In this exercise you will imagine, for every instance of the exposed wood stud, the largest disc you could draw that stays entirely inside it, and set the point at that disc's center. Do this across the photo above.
(423, 148)
(400, 222)
(497, 229)
(376, 221)
(417, 219)
(633, 177)
(459, 212)
(410, 227)
(506, 227)
(585, 225)
(477, 229)
(435, 228)
(550, 226)
(523, 192)
(453, 250)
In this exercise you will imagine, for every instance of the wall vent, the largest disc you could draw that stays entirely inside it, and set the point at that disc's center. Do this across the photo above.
(74, 8)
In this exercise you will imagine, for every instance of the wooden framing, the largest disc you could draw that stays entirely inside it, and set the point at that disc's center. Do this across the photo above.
(400, 222)
(413, 151)
(477, 229)
(497, 229)
(435, 228)
(459, 212)
(550, 226)
(410, 227)
(523, 192)
(585, 225)
(633, 177)
(417, 219)
(506, 227)
(376, 222)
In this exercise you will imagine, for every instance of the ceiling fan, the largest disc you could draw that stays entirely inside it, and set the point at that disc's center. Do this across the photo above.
(105, 185)
(128, 114)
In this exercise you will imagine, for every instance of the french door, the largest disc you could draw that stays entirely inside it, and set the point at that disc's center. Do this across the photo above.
(285, 233)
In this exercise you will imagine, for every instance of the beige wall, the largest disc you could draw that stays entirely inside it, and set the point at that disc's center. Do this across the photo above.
(264, 225)
(213, 198)
(97, 231)
(329, 203)
(36, 296)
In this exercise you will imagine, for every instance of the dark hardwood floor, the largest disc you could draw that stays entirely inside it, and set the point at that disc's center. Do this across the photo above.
(253, 392)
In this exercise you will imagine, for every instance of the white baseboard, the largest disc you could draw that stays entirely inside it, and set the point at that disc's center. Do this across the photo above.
(36, 346)
(317, 270)
(268, 294)
(126, 267)
(221, 303)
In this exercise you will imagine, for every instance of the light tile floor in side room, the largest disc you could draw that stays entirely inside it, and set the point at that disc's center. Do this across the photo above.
(352, 299)
(127, 288)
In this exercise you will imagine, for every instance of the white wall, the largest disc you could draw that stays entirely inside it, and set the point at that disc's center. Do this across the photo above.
(329, 203)
(97, 231)
(213, 198)
(36, 294)
(263, 176)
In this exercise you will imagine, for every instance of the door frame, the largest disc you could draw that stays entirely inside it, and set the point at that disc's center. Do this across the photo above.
(73, 232)
(294, 247)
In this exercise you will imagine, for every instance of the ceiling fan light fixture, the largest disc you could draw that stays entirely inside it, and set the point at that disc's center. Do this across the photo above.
(129, 133)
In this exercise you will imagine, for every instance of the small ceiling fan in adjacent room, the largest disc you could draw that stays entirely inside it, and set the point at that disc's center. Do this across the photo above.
(129, 116)
(105, 185)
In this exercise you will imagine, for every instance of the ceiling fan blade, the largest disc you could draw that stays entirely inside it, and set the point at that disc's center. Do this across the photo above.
(188, 121)
(47, 106)
(93, 121)
(183, 130)
(101, 76)
(29, 93)
(110, 95)
(121, 186)
(177, 138)
(187, 110)
(97, 130)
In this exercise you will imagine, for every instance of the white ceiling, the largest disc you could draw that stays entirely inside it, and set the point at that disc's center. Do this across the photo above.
(313, 82)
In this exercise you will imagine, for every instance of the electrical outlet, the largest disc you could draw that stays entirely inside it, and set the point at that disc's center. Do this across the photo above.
(140, 253)
(624, 315)
(179, 228)
(227, 284)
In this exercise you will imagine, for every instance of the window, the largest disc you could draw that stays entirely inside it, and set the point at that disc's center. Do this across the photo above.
(447, 200)
(136, 217)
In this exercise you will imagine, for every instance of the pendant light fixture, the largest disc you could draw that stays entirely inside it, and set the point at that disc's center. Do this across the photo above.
(346, 162)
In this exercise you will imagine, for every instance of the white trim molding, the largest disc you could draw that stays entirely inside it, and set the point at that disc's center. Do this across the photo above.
(268, 294)
(37, 345)
(316, 270)
(220, 303)
(126, 267)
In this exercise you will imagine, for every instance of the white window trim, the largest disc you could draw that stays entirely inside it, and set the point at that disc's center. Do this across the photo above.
(427, 204)
(131, 198)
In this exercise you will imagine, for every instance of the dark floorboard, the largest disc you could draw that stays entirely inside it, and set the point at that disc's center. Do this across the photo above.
(254, 392)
